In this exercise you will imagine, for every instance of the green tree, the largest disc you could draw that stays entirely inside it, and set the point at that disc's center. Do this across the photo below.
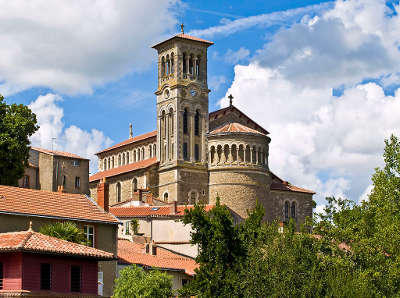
(66, 231)
(133, 281)
(17, 124)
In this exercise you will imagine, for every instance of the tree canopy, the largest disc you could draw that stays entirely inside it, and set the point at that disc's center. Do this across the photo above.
(65, 230)
(17, 124)
(133, 281)
(353, 250)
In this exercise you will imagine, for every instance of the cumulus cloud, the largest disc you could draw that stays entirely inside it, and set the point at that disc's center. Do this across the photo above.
(73, 45)
(234, 57)
(53, 134)
(327, 143)
(215, 82)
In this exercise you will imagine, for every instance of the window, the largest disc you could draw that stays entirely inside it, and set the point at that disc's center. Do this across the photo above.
(197, 124)
(89, 234)
(118, 192)
(77, 182)
(166, 196)
(25, 181)
(185, 151)
(127, 228)
(45, 276)
(192, 199)
(196, 152)
(184, 281)
(185, 121)
(75, 278)
(134, 185)
(104, 165)
(286, 211)
(293, 210)
(1, 276)
(127, 158)
(150, 152)
(64, 181)
(76, 163)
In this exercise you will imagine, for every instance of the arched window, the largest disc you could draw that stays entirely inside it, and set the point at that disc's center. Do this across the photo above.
(134, 185)
(191, 64)
(167, 69)
(118, 192)
(134, 156)
(171, 121)
(109, 163)
(185, 121)
(150, 152)
(142, 153)
(162, 67)
(293, 210)
(172, 63)
(119, 160)
(197, 124)
(127, 157)
(286, 211)
(198, 67)
(184, 63)
(165, 196)
(113, 163)
(154, 150)
(123, 159)
(105, 164)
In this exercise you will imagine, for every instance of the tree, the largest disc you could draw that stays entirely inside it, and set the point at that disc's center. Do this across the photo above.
(17, 124)
(66, 231)
(133, 281)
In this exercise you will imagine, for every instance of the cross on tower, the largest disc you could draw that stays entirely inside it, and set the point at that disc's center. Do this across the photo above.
(230, 99)
(182, 27)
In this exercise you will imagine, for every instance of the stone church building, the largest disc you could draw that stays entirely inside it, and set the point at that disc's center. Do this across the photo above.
(195, 156)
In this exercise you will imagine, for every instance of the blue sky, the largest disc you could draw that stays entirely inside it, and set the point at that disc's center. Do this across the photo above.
(320, 76)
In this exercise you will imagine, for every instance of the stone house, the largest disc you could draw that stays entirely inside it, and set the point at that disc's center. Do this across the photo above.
(51, 170)
(195, 156)
(36, 265)
(20, 206)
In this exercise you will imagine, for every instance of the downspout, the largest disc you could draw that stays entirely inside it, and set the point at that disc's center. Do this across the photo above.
(57, 175)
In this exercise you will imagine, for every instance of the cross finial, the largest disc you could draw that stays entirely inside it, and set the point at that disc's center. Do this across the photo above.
(130, 131)
(30, 227)
(182, 27)
(230, 99)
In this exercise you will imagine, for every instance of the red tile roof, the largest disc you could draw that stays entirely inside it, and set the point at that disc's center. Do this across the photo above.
(57, 153)
(30, 202)
(279, 184)
(153, 211)
(124, 169)
(135, 253)
(235, 128)
(186, 36)
(230, 109)
(129, 141)
(30, 241)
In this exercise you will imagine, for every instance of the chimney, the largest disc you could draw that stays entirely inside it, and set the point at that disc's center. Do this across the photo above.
(149, 199)
(280, 230)
(130, 131)
(153, 248)
(102, 194)
(173, 208)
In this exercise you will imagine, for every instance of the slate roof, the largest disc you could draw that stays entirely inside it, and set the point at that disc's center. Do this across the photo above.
(31, 202)
(235, 128)
(135, 253)
(129, 141)
(152, 211)
(124, 169)
(30, 241)
(185, 36)
(279, 184)
(58, 153)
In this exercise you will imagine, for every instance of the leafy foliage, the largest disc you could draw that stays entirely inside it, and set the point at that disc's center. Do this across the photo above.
(133, 281)
(66, 231)
(353, 251)
(17, 124)
(135, 226)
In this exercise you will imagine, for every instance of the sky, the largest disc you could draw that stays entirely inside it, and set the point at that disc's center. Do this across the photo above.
(321, 76)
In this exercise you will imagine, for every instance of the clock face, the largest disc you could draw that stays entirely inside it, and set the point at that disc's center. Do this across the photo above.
(193, 92)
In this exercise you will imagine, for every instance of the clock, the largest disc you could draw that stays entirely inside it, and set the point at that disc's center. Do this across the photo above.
(193, 92)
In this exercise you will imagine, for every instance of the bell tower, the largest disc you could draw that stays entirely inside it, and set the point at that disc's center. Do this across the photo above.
(182, 118)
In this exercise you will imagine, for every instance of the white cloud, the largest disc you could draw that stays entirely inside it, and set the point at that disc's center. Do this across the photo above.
(215, 82)
(71, 46)
(53, 134)
(264, 20)
(234, 57)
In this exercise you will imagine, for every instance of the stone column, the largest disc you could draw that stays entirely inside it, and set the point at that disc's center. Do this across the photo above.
(187, 65)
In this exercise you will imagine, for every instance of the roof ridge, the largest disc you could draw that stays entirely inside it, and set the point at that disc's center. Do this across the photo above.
(22, 244)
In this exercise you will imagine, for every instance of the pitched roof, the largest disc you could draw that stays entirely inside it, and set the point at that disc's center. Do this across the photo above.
(152, 211)
(279, 184)
(185, 36)
(235, 128)
(30, 202)
(30, 241)
(129, 141)
(230, 109)
(135, 253)
(57, 153)
(124, 169)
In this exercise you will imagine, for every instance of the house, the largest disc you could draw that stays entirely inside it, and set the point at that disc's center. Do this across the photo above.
(51, 170)
(36, 265)
(19, 206)
(159, 225)
(151, 256)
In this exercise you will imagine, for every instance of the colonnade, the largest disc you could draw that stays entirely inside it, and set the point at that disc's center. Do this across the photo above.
(238, 154)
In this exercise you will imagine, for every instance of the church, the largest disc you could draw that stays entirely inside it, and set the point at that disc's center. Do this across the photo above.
(195, 156)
